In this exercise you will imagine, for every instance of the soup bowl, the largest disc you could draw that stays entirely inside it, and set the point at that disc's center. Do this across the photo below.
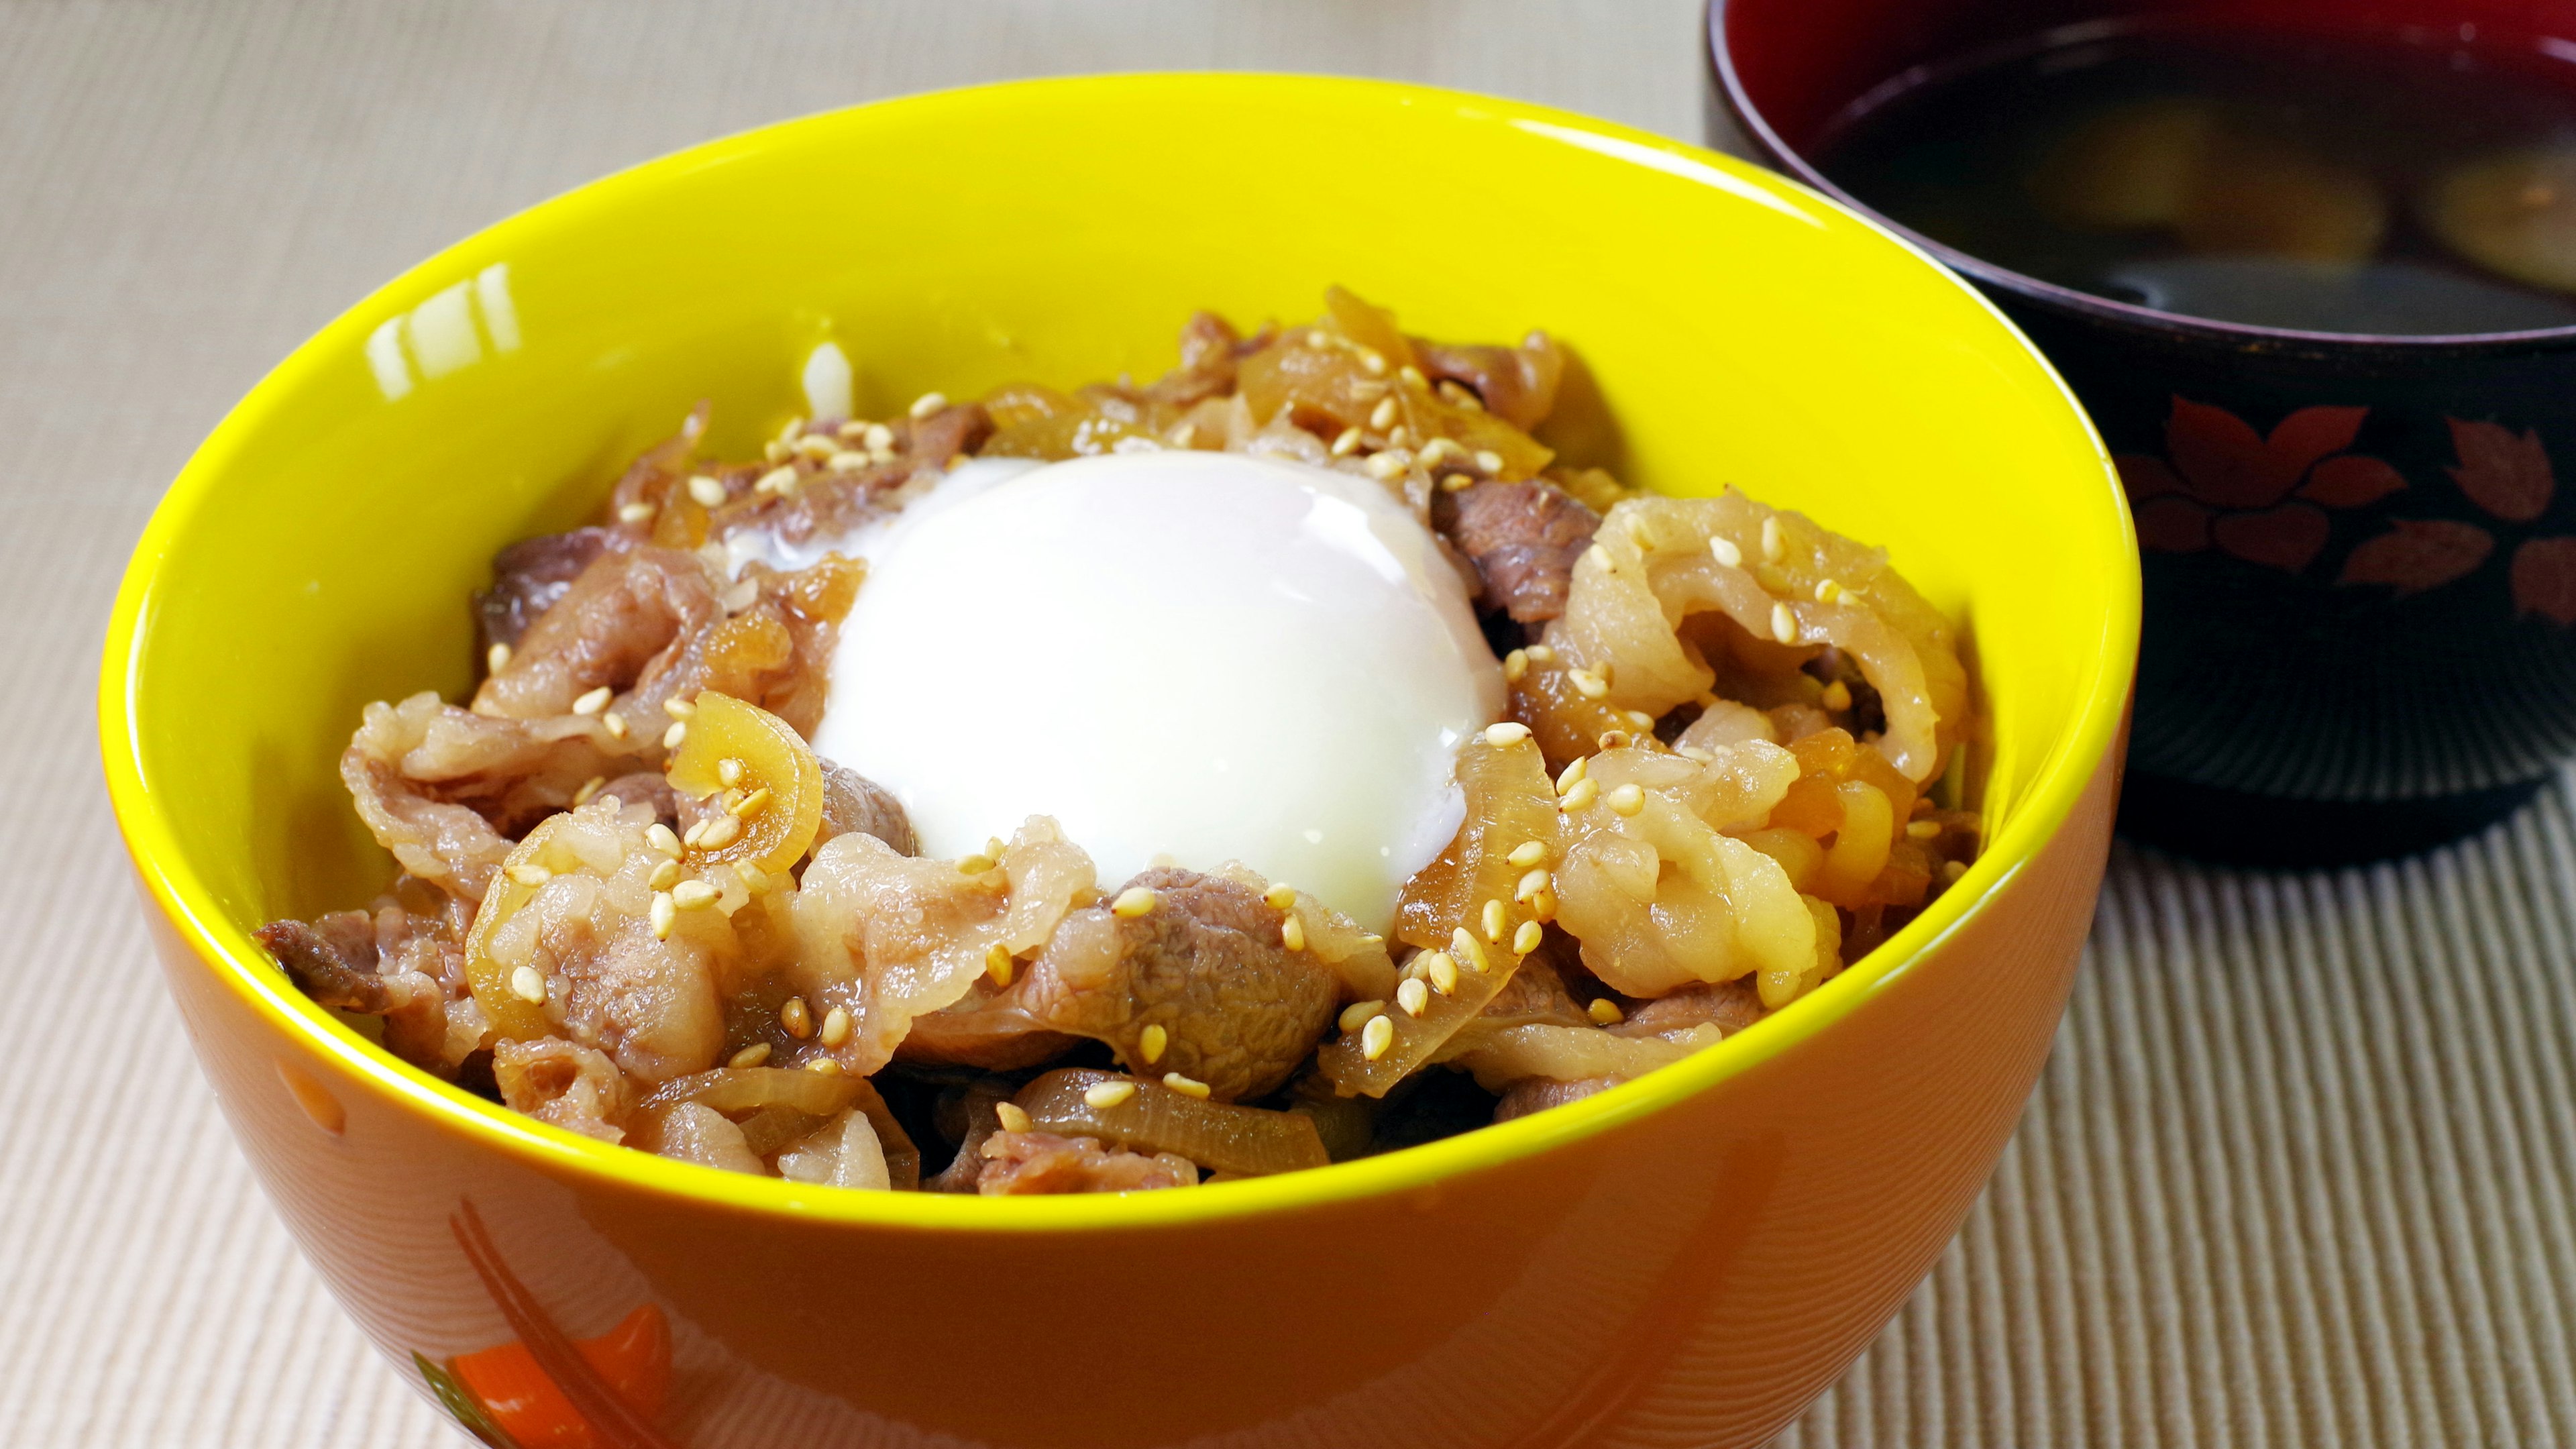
(2360, 567)
(1693, 1255)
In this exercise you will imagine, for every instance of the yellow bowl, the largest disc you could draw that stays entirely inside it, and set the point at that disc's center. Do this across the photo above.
(1688, 1258)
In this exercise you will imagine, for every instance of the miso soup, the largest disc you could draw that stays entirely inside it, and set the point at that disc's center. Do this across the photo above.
(2405, 182)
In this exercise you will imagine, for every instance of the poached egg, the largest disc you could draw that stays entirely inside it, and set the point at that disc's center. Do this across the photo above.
(1184, 657)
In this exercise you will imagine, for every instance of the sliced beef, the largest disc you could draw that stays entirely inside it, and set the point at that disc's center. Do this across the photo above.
(1523, 539)
(1537, 1094)
(530, 575)
(1041, 1162)
(628, 610)
(1516, 384)
(1238, 1009)
(854, 803)
(1730, 1006)
(1208, 351)
(554, 1080)
(958, 428)
(332, 960)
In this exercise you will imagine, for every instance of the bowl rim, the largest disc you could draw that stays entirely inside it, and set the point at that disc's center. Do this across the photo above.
(1727, 81)
(176, 889)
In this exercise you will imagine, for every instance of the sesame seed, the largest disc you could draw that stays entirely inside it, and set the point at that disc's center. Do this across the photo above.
(665, 875)
(926, 404)
(636, 513)
(1456, 483)
(993, 846)
(1774, 546)
(1346, 444)
(836, 1026)
(614, 723)
(1386, 465)
(975, 864)
(1541, 654)
(1184, 435)
(1412, 995)
(1528, 853)
(1605, 1011)
(595, 701)
(1496, 920)
(1151, 1042)
(824, 1067)
(1015, 1118)
(690, 895)
(1599, 557)
(750, 1056)
(774, 451)
(721, 831)
(529, 873)
(1922, 829)
(1613, 740)
(496, 658)
(797, 1017)
(847, 460)
(1574, 772)
(855, 429)
(1413, 377)
(787, 434)
(1542, 907)
(1376, 1037)
(1951, 870)
(1506, 733)
(666, 913)
(1587, 683)
(1318, 338)
(1280, 897)
(1515, 666)
(1292, 932)
(1628, 799)
(1133, 902)
(1837, 696)
(1827, 591)
(1582, 795)
(1441, 970)
(528, 985)
(1535, 881)
(1526, 939)
(1439, 448)
(659, 836)
(1469, 951)
(1190, 1086)
(1489, 460)
(1383, 416)
(678, 731)
(750, 805)
(1725, 551)
(879, 438)
(678, 708)
(776, 480)
(1374, 361)
(817, 446)
(729, 772)
(588, 788)
(706, 490)
(1357, 1014)
(1784, 625)
(697, 833)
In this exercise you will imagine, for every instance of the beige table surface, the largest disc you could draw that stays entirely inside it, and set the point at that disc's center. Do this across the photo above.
(2299, 1173)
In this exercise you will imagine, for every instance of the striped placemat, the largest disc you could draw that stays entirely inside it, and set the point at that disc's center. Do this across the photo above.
(2298, 1173)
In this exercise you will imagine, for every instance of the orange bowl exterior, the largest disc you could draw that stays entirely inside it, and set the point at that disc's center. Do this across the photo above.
(1692, 1276)
(1689, 1259)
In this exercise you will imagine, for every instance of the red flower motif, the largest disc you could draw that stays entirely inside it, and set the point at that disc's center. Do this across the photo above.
(2544, 580)
(2229, 486)
(2418, 554)
(2506, 475)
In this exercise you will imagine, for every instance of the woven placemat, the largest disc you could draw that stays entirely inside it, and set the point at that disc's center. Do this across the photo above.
(2298, 1173)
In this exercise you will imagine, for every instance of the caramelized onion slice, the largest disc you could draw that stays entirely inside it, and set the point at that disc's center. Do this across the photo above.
(776, 785)
(1246, 1141)
(768, 1091)
(1576, 1053)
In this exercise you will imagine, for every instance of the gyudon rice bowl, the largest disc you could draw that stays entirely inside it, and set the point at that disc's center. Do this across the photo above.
(1372, 772)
